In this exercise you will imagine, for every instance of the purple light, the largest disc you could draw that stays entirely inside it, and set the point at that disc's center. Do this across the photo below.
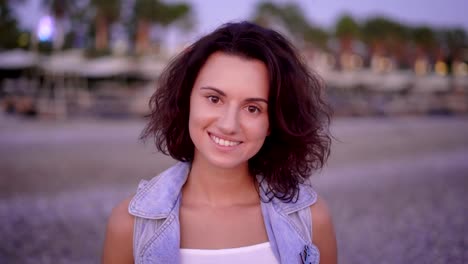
(45, 28)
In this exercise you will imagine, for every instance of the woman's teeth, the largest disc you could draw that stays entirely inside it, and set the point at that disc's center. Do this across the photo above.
(224, 142)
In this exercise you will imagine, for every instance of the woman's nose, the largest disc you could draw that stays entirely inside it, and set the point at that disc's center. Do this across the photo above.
(228, 121)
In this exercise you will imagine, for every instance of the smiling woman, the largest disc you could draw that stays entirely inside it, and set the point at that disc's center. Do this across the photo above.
(228, 124)
(245, 118)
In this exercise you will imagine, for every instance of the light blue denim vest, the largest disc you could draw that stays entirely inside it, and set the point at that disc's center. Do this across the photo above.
(157, 231)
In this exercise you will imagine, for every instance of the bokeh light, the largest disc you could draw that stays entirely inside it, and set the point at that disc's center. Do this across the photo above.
(45, 29)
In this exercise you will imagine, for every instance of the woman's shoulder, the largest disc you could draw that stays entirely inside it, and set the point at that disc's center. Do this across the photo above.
(321, 216)
(323, 231)
(120, 217)
(118, 243)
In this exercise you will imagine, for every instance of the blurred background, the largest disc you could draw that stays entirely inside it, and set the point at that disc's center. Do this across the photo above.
(76, 76)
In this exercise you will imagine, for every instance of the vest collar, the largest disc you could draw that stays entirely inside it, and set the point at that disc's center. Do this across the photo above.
(306, 197)
(157, 198)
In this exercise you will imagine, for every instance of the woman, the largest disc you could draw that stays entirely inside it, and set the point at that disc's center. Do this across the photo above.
(245, 118)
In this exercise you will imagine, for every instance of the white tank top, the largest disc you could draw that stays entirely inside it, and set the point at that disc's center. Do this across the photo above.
(259, 253)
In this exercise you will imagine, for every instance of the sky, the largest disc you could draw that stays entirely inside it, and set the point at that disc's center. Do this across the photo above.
(325, 12)
(212, 13)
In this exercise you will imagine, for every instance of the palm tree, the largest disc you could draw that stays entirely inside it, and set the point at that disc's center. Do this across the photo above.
(317, 36)
(424, 39)
(106, 12)
(9, 31)
(399, 43)
(293, 19)
(454, 41)
(60, 9)
(290, 16)
(265, 12)
(375, 33)
(346, 30)
(385, 37)
(150, 12)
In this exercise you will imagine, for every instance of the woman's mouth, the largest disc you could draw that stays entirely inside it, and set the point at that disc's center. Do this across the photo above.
(224, 142)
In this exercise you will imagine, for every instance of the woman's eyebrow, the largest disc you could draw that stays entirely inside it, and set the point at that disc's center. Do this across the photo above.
(214, 89)
(255, 99)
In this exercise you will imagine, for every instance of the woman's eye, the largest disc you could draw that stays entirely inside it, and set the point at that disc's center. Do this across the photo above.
(213, 99)
(253, 109)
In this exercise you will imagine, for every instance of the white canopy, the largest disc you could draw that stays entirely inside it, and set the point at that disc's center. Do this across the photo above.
(17, 59)
(106, 67)
(69, 62)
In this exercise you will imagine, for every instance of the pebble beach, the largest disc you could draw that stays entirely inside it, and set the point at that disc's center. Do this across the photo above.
(397, 187)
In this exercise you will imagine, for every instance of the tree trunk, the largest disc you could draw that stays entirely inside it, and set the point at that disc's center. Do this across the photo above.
(378, 48)
(400, 54)
(142, 36)
(346, 44)
(101, 40)
(59, 35)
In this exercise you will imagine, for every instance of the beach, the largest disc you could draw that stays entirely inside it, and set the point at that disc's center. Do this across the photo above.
(396, 187)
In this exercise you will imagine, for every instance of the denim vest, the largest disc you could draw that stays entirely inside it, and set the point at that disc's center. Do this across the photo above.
(157, 228)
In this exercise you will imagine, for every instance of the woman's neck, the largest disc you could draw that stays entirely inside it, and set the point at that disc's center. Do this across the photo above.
(219, 187)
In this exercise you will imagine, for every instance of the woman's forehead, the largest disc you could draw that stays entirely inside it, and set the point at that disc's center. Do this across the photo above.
(234, 74)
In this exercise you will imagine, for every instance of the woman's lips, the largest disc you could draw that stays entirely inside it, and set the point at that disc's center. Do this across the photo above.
(223, 141)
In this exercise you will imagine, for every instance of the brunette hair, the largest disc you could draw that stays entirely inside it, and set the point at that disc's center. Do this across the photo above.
(299, 140)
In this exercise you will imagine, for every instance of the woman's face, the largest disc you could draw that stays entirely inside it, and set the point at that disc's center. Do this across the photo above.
(228, 119)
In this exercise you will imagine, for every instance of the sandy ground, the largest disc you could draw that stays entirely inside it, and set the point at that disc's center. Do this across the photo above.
(396, 187)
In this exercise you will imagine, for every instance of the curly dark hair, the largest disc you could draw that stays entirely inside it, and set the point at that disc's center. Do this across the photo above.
(299, 140)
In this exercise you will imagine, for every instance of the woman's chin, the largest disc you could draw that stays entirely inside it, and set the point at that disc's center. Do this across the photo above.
(225, 163)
